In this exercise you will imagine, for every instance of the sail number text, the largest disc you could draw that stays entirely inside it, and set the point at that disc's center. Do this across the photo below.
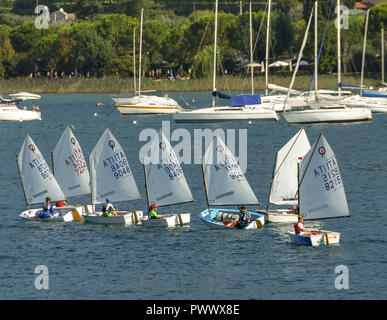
(329, 173)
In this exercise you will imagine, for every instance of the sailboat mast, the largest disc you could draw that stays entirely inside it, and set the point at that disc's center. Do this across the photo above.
(382, 55)
(215, 39)
(134, 60)
(139, 67)
(267, 49)
(22, 184)
(251, 52)
(338, 26)
(146, 184)
(364, 51)
(315, 52)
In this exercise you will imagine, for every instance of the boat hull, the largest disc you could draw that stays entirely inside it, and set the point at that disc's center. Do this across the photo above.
(316, 239)
(146, 105)
(225, 114)
(15, 114)
(280, 216)
(169, 220)
(328, 115)
(66, 214)
(123, 217)
(209, 216)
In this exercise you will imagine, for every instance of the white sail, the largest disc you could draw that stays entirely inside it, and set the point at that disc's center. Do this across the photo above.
(284, 185)
(36, 176)
(110, 173)
(321, 188)
(224, 180)
(165, 180)
(69, 165)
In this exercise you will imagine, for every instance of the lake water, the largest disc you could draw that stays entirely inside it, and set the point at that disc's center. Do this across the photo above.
(88, 261)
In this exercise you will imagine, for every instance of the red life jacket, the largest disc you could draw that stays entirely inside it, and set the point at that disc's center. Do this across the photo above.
(297, 229)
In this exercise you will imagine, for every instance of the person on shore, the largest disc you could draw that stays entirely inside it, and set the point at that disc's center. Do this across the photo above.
(108, 209)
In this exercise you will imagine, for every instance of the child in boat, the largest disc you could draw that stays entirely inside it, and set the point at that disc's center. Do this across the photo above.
(152, 212)
(299, 227)
(108, 209)
(48, 210)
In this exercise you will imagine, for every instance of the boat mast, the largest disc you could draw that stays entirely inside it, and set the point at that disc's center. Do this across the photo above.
(134, 60)
(215, 39)
(338, 26)
(364, 50)
(298, 60)
(267, 49)
(22, 184)
(315, 53)
(139, 67)
(382, 55)
(251, 52)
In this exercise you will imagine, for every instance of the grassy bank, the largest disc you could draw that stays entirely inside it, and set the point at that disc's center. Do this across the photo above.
(121, 85)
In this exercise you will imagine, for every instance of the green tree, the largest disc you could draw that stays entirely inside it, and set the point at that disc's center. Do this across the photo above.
(6, 57)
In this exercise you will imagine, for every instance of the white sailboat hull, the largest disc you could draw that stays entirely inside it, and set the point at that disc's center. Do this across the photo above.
(376, 105)
(280, 216)
(64, 213)
(323, 237)
(328, 115)
(12, 113)
(226, 114)
(169, 220)
(123, 217)
(146, 105)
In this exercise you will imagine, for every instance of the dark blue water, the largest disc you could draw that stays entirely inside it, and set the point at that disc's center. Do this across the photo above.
(115, 262)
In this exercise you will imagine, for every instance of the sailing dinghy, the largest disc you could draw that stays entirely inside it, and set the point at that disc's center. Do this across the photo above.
(111, 176)
(284, 185)
(226, 185)
(165, 184)
(321, 193)
(38, 183)
(70, 170)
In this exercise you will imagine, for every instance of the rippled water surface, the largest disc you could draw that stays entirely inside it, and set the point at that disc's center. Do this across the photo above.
(115, 262)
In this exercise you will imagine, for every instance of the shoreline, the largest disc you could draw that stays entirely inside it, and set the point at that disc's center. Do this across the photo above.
(118, 85)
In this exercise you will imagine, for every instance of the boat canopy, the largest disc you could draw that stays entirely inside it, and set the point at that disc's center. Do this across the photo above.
(243, 100)
(221, 95)
(348, 85)
(373, 95)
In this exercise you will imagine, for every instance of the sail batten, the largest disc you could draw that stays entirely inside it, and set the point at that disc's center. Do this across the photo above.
(165, 181)
(224, 181)
(321, 188)
(110, 173)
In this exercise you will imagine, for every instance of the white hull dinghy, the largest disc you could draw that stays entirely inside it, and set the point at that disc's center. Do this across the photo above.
(284, 186)
(321, 193)
(38, 182)
(226, 185)
(111, 176)
(165, 184)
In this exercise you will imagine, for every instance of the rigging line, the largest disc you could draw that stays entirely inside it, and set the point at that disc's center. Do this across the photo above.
(256, 42)
(197, 52)
(321, 46)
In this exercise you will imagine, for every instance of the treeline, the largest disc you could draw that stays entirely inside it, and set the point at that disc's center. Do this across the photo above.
(103, 45)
